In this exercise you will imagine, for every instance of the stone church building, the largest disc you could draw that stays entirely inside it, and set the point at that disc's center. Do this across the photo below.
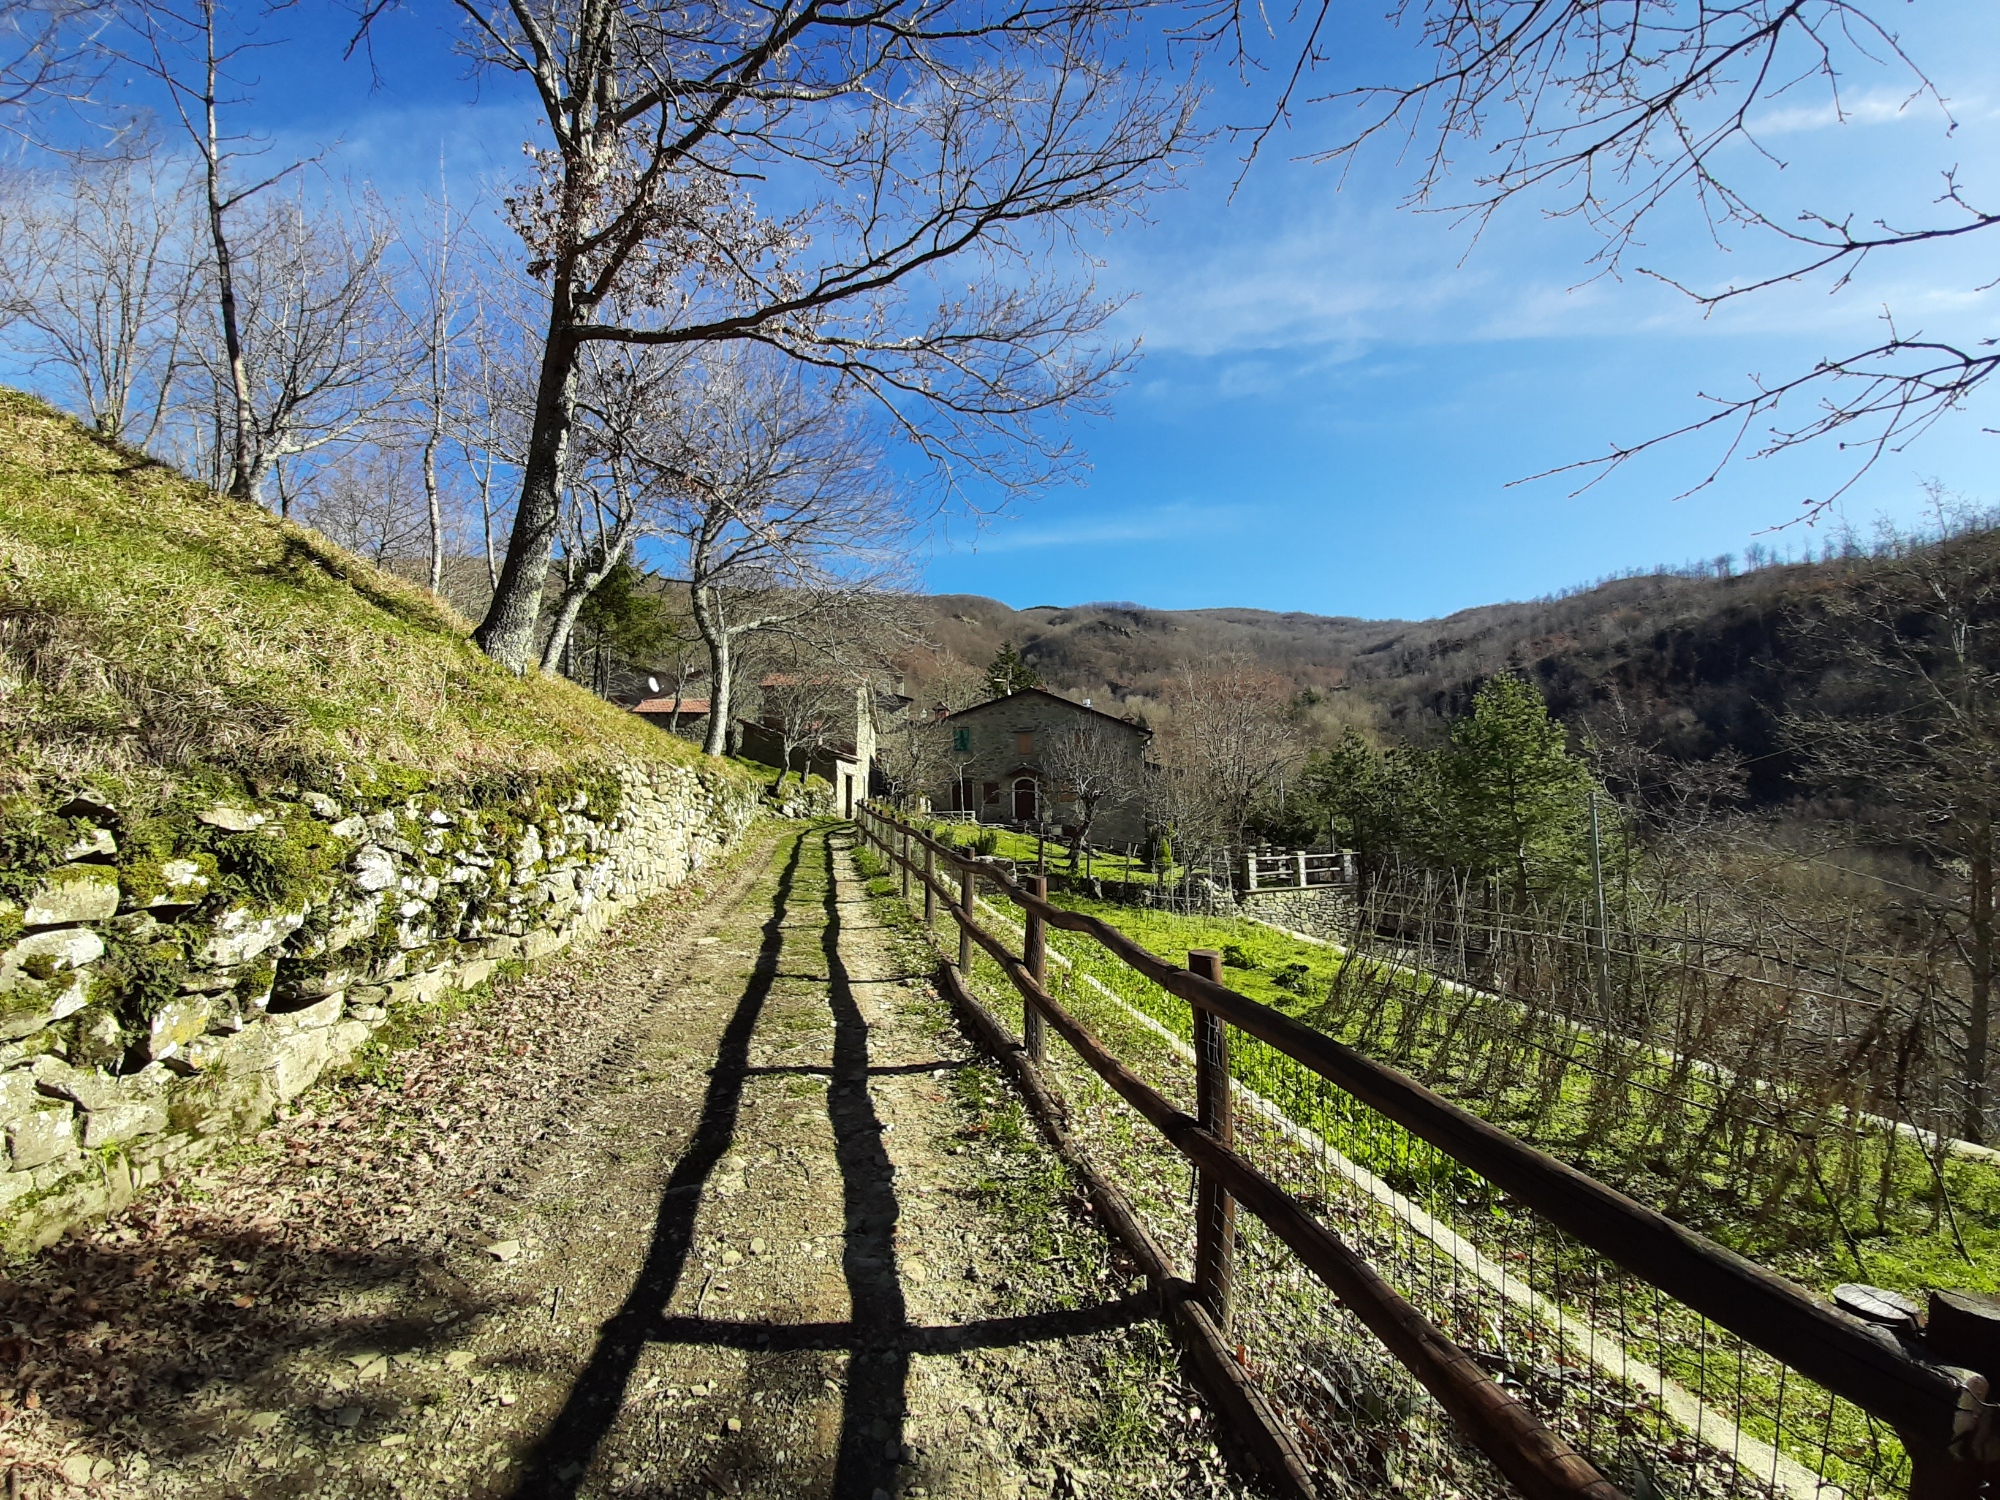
(998, 769)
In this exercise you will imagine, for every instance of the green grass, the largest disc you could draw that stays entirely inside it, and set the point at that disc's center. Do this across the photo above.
(158, 633)
(1901, 1235)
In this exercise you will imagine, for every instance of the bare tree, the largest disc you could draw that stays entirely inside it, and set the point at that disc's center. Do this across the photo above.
(1089, 767)
(933, 157)
(913, 753)
(779, 508)
(318, 345)
(1912, 730)
(48, 53)
(1228, 740)
(603, 518)
(185, 49)
(809, 696)
(98, 280)
(371, 502)
(490, 414)
(1605, 112)
(302, 340)
(437, 313)
(919, 749)
(682, 662)
(616, 491)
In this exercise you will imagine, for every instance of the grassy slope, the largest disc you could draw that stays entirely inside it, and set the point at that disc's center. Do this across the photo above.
(151, 630)
(1910, 1256)
(1911, 1248)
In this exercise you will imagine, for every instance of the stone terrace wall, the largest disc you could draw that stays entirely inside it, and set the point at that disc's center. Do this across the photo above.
(1319, 911)
(151, 1010)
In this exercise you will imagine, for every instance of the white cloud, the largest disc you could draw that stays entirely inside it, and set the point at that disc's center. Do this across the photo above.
(1874, 107)
(1160, 523)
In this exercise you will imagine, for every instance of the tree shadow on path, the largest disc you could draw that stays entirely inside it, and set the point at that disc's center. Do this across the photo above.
(878, 1335)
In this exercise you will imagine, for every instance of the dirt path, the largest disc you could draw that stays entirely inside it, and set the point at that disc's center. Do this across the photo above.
(724, 1206)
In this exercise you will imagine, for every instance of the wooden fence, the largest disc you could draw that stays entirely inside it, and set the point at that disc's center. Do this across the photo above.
(1295, 869)
(1939, 1411)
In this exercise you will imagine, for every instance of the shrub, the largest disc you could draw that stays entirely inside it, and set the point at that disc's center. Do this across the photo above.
(1234, 957)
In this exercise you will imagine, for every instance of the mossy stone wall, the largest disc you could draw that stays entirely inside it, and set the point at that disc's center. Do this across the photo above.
(167, 980)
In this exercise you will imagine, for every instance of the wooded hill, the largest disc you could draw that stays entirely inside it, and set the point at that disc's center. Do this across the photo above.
(1695, 664)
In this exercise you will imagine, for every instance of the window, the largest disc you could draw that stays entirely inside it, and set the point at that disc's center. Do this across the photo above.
(961, 740)
(1024, 743)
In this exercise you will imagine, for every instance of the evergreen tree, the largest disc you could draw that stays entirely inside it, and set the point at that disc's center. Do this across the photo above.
(627, 617)
(1518, 801)
(1383, 805)
(1009, 674)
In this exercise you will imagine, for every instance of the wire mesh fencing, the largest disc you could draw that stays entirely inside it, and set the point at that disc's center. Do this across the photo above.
(1662, 1400)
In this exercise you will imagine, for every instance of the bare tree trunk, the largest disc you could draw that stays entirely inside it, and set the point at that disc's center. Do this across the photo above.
(715, 635)
(241, 483)
(507, 634)
(1976, 1039)
(435, 508)
(575, 591)
(486, 523)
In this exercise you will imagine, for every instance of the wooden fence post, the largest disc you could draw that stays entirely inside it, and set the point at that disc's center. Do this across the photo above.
(930, 891)
(1933, 1476)
(968, 892)
(1215, 1209)
(1034, 958)
(906, 864)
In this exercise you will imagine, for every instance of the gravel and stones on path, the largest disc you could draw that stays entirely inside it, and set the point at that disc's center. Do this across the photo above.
(724, 1204)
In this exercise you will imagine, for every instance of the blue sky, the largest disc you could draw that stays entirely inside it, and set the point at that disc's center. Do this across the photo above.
(1337, 394)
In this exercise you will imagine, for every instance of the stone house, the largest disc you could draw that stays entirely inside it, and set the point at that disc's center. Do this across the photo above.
(845, 753)
(998, 758)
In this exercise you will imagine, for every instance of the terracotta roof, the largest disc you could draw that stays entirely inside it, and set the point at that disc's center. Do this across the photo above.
(666, 706)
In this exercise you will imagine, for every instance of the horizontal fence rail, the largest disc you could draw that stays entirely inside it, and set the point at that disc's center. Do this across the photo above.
(1296, 869)
(1613, 1289)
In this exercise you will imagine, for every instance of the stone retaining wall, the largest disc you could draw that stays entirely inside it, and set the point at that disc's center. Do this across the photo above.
(1326, 911)
(151, 1009)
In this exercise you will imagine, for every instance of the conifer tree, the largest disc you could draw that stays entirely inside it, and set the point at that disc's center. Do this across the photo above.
(1519, 801)
(1009, 673)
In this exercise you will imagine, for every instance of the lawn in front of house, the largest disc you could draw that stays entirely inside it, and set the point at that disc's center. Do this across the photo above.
(1112, 866)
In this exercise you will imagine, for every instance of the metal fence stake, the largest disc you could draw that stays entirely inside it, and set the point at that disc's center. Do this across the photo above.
(1215, 1209)
(1034, 957)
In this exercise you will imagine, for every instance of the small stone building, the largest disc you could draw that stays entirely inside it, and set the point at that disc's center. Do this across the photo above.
(846, 748)
(998, 758)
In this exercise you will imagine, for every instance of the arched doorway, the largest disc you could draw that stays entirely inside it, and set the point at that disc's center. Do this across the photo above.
(1024, 799)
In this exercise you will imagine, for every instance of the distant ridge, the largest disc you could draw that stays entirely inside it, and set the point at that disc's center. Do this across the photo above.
(1697, 659)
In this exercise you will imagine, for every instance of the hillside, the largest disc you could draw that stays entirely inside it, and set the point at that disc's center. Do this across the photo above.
(152, 631)
(260, 802)
(1699, 663)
